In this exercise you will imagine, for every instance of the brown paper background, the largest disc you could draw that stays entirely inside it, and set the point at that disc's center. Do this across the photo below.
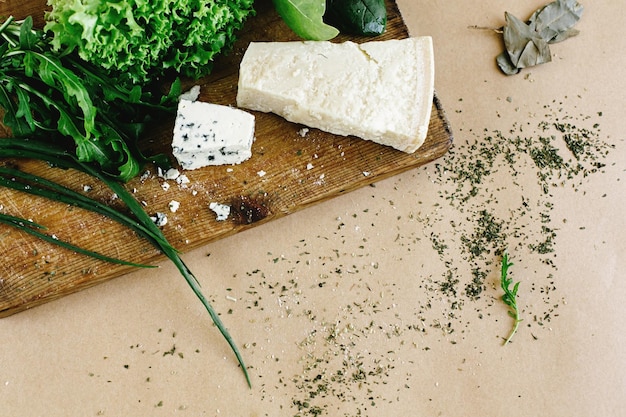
(338, 308)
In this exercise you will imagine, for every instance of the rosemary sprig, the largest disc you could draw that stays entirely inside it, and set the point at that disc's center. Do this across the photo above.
(140, 221)
(510, 295)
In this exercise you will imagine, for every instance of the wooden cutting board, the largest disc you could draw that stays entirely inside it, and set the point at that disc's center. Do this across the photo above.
(287, 172)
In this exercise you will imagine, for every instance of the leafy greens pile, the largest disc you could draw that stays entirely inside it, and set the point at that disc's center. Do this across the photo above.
(142, 40)
(527, 43)
(60, 97)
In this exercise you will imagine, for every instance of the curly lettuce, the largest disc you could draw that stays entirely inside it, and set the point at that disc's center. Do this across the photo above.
(141, 40)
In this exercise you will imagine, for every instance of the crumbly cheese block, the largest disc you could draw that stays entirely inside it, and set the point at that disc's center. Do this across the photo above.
(211, 134)
(380, 90)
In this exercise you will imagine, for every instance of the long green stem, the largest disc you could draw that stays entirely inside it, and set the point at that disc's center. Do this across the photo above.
(33, 229)
(517, 321)
(36, 150)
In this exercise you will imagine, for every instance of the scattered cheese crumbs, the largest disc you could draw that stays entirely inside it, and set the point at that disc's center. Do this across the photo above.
(303, 132)
(221, 210)
(229, 170)
(192, 94)
(182, 179)
(261, 173)
(87, 188)
(174, 206)
(165, 186)
(309, 166)
(231, 298)
(171, 174)
(160, 219)
(366, 173)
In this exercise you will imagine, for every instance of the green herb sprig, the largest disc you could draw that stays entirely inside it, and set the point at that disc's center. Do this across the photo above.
(510, 295)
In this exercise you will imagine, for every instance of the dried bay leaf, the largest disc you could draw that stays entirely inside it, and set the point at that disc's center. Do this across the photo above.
(526, 43)
(555, 21)
(524, 47)
(505, 64)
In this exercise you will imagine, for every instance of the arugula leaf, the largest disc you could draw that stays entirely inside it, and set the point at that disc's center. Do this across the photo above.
(305, 18)
(28, 38)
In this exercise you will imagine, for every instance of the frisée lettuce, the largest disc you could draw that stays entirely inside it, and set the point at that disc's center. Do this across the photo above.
(141, 40)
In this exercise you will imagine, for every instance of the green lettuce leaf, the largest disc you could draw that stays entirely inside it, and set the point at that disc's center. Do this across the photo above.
(142, 40)
(305, 18)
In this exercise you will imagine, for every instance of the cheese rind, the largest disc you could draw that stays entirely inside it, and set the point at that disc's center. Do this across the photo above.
(211, 134)
(380, 90)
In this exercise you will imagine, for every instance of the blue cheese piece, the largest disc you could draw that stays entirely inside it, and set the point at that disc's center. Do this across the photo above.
(211, 134)
(379, 90)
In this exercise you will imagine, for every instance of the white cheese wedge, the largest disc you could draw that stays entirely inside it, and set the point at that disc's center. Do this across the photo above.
(380, 90)
(211, 134)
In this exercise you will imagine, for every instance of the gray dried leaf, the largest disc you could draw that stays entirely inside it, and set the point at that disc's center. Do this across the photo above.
(505, 64)
(524, 46)
(526, 43)
(554, 22)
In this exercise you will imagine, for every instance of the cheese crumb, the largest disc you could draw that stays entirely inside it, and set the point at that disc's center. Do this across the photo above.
(192, 94)
(182, 180)
(160, 219)
(174, 206)
(222, 211)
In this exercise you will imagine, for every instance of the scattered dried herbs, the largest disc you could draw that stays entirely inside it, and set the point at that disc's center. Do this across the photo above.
(527, 43)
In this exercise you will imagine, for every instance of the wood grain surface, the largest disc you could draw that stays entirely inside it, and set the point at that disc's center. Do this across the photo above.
(287, 172)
